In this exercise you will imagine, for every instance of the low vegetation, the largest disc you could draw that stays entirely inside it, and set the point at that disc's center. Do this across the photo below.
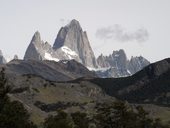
(12, 113)
(106, 115)
(114, 115)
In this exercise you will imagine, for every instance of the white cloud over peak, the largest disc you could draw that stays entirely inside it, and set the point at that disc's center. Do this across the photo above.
(117, 32)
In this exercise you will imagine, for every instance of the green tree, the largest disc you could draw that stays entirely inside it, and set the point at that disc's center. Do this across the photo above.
(61, 120)
(4, 89)
(115, 115)
(120, 115)
(12, 114)
(80, 120)
(143, 119)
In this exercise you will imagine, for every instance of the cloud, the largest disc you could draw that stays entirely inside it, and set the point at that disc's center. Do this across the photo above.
(120, 34)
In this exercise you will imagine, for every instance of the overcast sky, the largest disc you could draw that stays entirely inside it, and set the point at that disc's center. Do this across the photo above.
(140, 27)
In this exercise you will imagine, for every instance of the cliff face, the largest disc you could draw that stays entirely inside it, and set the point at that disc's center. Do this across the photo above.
(73, 37)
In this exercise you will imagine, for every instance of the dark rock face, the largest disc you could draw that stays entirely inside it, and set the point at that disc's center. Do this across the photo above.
(2, 59)
(156, 69)
(117, 64)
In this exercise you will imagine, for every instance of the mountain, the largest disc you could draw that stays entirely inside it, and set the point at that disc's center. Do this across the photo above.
(2, 59)
(117, 64)
(43, 87)
(73, 37)
(71, 43)
(49, 70)
(38, 50)
(137, 63)
(150, 85)
(47, 86)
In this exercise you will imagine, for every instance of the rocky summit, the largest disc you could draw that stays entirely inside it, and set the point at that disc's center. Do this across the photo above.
(73, 37)
(37, 49)
(117, 64)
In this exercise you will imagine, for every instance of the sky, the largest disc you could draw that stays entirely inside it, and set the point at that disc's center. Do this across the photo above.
(140, 27)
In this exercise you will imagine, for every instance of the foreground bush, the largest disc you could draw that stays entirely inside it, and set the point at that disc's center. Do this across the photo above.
(12, 114)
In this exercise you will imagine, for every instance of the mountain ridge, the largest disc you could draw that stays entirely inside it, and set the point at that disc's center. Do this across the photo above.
(150, 85)
(72, 43)
(50, 70)
(118, 65)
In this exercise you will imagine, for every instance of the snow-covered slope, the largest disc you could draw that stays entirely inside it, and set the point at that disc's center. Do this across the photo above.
(49, 57)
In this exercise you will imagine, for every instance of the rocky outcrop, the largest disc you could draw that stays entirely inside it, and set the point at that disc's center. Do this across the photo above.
(34, 50)
(137, 63)
(37, 49)
(2, 59)
(117, 64)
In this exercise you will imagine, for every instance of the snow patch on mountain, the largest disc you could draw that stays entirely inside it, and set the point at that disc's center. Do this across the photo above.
(69, 52)
(98, 69)
(49, 57)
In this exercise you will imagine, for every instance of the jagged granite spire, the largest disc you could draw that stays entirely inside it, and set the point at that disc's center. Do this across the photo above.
(137, 63)
(72, 31)
(38, 50)
(117, 59)
(34, 50)
(118, 65)
(36, 39)
(73, 37)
